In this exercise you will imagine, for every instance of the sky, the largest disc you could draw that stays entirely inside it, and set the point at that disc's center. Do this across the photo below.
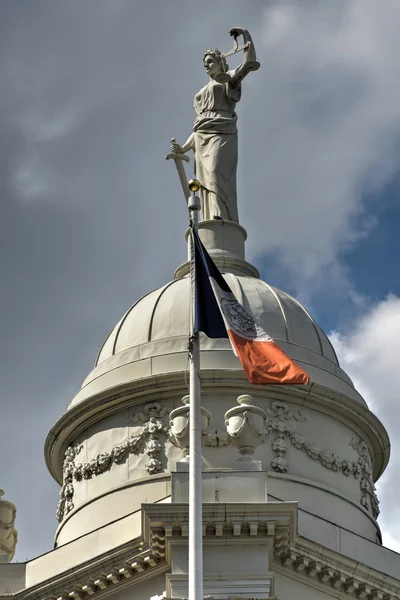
(92, 215)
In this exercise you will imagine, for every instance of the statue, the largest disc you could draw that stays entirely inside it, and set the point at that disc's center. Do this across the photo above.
(214, 137)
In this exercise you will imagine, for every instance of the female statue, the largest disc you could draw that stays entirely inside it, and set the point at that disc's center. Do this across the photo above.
(214, 137)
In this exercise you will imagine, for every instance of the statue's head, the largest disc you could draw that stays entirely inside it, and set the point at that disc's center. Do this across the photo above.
(214, 62)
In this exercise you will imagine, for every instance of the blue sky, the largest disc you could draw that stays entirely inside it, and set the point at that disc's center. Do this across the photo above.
(371, 263)
(91, 95)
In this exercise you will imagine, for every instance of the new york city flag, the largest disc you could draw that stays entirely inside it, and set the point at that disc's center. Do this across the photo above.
(219, 315)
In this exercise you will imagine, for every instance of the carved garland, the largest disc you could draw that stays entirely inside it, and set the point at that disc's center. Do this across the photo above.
(153, 420)
(279, 424)
(368, 489)
(65, 504)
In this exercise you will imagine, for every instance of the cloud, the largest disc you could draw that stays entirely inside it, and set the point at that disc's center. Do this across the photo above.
(93, 215)
(327, 134)
(369, 352)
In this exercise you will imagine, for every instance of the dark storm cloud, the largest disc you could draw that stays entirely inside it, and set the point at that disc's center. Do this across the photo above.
(92, 216)
(92, 92)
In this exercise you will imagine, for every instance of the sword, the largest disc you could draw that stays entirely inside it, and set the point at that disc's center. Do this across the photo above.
(178, 158)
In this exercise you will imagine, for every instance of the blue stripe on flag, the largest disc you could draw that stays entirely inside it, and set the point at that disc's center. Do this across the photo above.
(209, 265)
(208, 315)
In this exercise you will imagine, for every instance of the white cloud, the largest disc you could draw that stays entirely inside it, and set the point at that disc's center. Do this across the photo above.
(369, 353)
(44, 127)
(328, 121)
(29, 180)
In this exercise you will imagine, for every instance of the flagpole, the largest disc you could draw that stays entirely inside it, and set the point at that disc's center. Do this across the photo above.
(195, 470)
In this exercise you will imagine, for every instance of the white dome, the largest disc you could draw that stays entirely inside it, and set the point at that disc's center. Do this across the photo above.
(164, 314)
(143, 365)
(152, 338)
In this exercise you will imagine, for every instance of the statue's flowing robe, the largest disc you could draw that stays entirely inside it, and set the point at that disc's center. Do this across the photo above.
(216, 149)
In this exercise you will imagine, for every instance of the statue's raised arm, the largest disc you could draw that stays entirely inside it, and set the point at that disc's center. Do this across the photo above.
(214, 137)
(250, 62)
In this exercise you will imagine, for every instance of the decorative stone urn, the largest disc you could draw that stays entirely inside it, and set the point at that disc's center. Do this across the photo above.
(246, 425)
(179, 423)
(8, 533)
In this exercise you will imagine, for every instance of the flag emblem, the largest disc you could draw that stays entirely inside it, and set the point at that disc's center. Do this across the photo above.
(219, 314)
(241, 321)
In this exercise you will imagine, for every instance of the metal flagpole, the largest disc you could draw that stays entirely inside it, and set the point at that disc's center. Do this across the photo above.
(195, 471)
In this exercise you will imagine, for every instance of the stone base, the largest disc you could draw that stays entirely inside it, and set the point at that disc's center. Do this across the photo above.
(224, 241)
(246, 463)
(223, 486)
(223, 586)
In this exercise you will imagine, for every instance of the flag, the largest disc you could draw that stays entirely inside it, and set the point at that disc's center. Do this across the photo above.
(220, 315)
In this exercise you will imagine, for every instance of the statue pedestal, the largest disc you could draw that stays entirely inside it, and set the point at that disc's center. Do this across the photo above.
(224, 241)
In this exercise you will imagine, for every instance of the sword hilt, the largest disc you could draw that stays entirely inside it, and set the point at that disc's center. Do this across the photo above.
(176, 156)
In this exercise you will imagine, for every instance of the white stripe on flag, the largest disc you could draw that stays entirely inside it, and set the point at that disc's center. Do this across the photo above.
(236, 317)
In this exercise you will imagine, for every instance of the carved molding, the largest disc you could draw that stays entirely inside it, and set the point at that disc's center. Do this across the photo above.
(66, 504)
(369, 499)
(328, 569)
(274, 523)
(254, 523)
(154, 424)
(280, 424)
(217, 439)
(99, 578)
(152, 420)
(245, 523)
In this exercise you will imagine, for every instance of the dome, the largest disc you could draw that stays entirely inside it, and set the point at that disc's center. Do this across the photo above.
(141, 375)
(152, 337)
(164, 314)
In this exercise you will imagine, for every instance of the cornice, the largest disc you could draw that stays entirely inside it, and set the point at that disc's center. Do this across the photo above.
(235, 524)
(170, 385)
(344, 577)
(274, 524)
(232, 523)
(129, 564)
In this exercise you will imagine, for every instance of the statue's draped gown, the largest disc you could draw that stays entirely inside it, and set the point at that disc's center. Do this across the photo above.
(216, 149)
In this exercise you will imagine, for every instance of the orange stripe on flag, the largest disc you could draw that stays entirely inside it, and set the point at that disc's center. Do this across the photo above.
(265, 362)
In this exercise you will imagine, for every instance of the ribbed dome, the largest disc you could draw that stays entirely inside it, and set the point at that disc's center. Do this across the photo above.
(164, 314)
(152, 338)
